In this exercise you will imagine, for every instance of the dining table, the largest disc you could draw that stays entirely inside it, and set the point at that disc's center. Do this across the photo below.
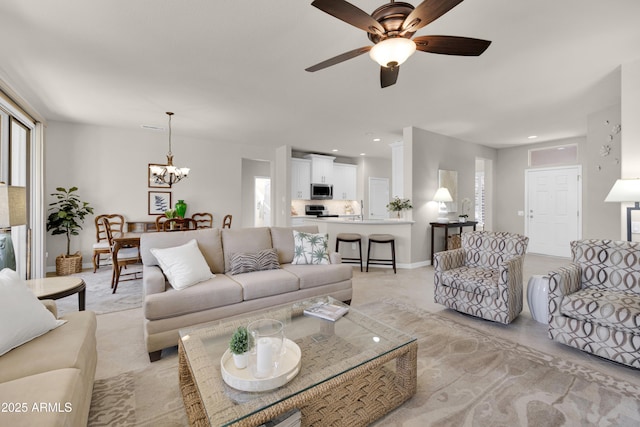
(125, 240)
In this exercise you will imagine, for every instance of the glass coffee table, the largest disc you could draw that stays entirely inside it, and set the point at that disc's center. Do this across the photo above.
(353, 371)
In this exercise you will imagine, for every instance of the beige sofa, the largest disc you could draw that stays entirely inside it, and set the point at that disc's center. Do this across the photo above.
(167, 310)
(48, 381)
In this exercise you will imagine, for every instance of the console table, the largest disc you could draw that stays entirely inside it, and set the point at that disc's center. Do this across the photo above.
(447, 226)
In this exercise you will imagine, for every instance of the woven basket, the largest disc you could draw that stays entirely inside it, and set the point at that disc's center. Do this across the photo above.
(66, 265)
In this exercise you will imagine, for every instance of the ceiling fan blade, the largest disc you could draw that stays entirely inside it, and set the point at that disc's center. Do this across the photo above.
(451, 45)
(427, 12)
(389, 76)
(338, 59)
(350, 14)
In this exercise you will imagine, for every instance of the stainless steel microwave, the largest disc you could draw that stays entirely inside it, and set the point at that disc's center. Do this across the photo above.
(321, 191)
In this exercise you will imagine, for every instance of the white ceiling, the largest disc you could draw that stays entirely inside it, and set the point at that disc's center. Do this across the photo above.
(233, 70)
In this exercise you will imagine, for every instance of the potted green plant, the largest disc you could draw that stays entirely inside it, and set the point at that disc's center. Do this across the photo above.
(398, 205)
(66, 216)
(239, 347)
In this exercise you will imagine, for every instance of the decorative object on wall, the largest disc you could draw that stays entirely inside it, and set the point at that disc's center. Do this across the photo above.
(442, 196)
(181, 208)
(167, 174)
(66, 217)
(159, 202)
(449, 180)
(626, 190)
(607, 148)
(13, 212)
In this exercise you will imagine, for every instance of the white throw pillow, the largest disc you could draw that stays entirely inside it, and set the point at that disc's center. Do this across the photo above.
(310, 248)
(183, 265)
(22, 316)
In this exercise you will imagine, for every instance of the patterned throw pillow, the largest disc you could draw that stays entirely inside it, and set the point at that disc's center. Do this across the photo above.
(266, 259)
(310, 248)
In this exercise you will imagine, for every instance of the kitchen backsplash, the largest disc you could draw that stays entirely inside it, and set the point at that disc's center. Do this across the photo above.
(335, 207)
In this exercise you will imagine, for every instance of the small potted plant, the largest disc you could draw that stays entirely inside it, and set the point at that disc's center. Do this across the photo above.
(66, 217)
(398, 205)
(239, 347)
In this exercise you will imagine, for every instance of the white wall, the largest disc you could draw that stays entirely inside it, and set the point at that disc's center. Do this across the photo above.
(630, 167)
(109, 166)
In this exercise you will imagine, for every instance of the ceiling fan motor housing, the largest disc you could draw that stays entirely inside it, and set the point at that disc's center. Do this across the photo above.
(391, 16)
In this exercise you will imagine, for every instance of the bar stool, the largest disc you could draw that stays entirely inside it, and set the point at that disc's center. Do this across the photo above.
(382, 238)
(351, 238)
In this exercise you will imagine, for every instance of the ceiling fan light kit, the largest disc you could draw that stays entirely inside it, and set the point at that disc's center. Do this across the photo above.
(391, 27)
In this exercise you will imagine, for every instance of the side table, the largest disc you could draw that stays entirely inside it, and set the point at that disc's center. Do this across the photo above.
(447, 226)
(58, 287)
(538, 298)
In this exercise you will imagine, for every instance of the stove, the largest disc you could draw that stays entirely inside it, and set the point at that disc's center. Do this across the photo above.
(318, 210)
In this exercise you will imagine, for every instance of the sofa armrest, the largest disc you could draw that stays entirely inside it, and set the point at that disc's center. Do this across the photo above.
(50, 305)
(564, 281)
(448, 260)
(335, 258)
(153, 280)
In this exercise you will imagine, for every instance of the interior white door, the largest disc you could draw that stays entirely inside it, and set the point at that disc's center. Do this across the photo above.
(378, 198)
(553, 212)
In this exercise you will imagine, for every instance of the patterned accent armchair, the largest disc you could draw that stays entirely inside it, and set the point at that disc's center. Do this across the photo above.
(594, 303)
(483, 277)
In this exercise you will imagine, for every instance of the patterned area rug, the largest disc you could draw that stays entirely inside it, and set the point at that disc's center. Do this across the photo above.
(465, 378)
(99, 296)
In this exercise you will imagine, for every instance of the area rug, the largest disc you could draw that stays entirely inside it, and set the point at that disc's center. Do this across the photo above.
(465, 378)
(99, 296)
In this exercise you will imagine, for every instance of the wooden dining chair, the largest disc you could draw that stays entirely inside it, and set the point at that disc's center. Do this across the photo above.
(102, 247)
(226, 222)
(121, 257)
(159, 221)
(203, 219)
(179, 224)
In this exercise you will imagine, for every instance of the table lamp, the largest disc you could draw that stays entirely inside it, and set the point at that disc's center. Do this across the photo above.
(442, 196)
(13, 211)
(626, 190)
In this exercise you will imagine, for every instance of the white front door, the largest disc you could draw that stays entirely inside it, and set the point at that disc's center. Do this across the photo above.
(378, 198)
(553, 209)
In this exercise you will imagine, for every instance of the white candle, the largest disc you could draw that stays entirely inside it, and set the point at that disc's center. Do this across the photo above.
(264, 356)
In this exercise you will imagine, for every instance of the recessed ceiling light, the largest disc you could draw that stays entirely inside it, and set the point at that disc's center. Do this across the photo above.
(363, 154)
(335, 150)
(376, 139)
(532, 137)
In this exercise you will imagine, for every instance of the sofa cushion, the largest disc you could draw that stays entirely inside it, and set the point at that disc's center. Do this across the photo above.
(63, 389)
(72, 345)
(311, 276)
(610, 308)
(208, 239)
(282, 240)
(482, 281)
(22, 315)
(216, 292)
(260, 284)
(183, 265)
(310, 248)
(244, 240)
(266, 259)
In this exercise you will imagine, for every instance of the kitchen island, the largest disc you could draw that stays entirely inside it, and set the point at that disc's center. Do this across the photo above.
(399, 228)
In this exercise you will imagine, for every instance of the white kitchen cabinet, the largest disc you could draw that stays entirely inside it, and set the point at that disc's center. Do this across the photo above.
(300, 179)
(344, 181)
(321, 168)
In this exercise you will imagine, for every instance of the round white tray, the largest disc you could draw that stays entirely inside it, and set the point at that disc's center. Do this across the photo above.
(242, 379)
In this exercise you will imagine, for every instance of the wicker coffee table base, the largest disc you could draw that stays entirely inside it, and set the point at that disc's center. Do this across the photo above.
(356, 398)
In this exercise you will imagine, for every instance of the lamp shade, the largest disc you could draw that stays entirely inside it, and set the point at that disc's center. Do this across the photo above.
(393, 51)
(13, 206)
(624, 190)
(442, 195)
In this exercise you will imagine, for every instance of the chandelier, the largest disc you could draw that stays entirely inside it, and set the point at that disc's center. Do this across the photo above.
(168, 174)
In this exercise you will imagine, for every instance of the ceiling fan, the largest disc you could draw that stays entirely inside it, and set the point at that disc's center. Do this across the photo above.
(391, 28)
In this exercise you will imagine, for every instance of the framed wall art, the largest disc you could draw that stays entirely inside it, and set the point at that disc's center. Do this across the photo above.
(159, 202)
